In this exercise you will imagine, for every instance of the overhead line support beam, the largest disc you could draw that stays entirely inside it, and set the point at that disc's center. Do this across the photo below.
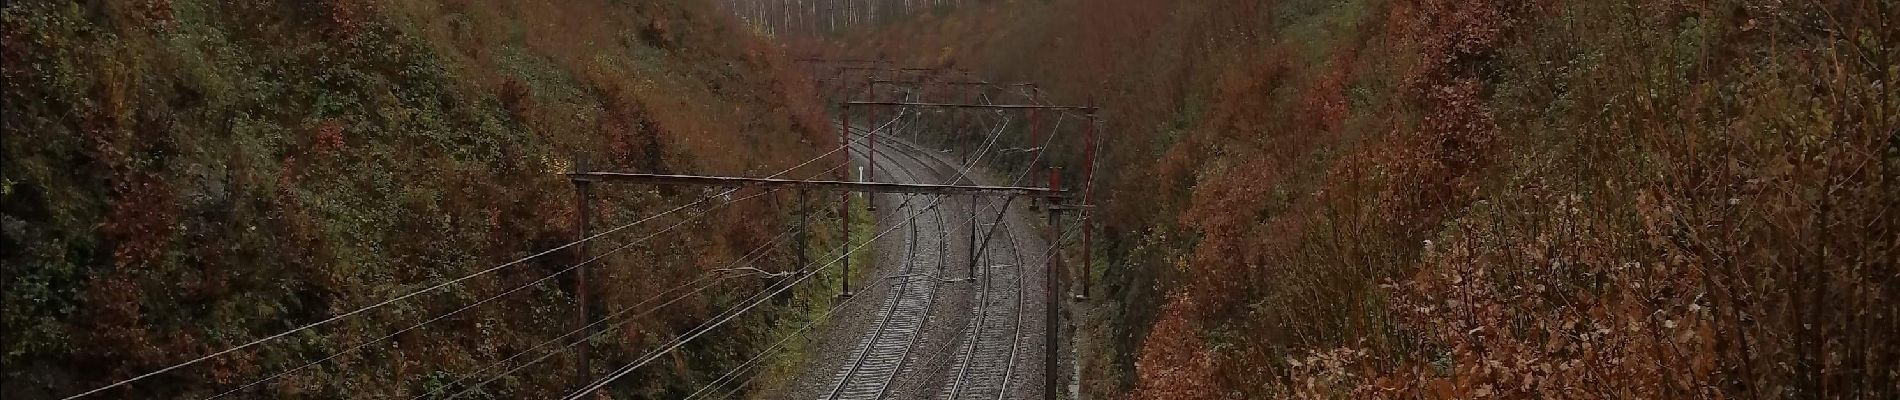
(872, 187)
(955, 105)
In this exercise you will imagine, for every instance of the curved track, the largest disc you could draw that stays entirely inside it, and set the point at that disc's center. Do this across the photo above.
(882, 353)
(988, 348)
(988, 354)
(918, 332)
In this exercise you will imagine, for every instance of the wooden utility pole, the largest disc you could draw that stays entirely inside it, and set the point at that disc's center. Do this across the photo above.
(804, 241)
(582, 198)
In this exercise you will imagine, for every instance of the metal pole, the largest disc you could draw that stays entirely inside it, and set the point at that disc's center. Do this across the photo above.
(844, 198)
(804, 209)
(581, 189)
(844, 142)
(1052, 320)
(870, 152)
(1035, 124)
(844, 212)
(965, 137)
(972, 247)
(1088, 192)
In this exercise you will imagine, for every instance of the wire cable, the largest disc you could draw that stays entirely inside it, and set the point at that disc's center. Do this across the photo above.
(537, 282)
(338, 317)
(905, 204)
(695, 281)
(749, 259)
(722, 278)
(406, 296)
(748, 364)
(597, 334)
(629, 368)
(1032, 162)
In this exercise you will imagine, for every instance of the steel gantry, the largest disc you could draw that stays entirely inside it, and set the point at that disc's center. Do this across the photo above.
(1056, 275)
(583, 180)
(1055, 199)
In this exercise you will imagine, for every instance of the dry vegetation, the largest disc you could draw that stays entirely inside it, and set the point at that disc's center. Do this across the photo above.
(1464, 199)
(181, 176)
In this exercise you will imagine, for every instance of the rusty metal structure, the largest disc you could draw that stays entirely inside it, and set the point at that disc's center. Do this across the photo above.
(1053, 198)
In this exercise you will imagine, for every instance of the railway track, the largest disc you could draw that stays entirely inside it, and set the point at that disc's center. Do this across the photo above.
(882, 354)
(986, 356)
(987, 353)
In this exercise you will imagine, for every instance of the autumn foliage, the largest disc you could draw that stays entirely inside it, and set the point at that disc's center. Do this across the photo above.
(1468, 199)
(184, 176)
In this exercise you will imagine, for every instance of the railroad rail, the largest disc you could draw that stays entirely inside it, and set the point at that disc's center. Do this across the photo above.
(884, 352)
(987, 360)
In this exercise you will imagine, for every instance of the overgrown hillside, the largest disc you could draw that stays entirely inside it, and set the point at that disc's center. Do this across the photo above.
(183, 176)
(1463, 199)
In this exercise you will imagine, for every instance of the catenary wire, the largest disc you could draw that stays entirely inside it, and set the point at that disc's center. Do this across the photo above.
(406, 296)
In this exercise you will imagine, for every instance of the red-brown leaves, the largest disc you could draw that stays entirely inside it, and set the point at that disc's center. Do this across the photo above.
(1450, 36)
(329, 137)
(1323, 104)
(142, 221)
(1605, 200)
(158, 13)
(1174, 363)
(113, 326)
(341, 18)
(632, 135)
(518, 99)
